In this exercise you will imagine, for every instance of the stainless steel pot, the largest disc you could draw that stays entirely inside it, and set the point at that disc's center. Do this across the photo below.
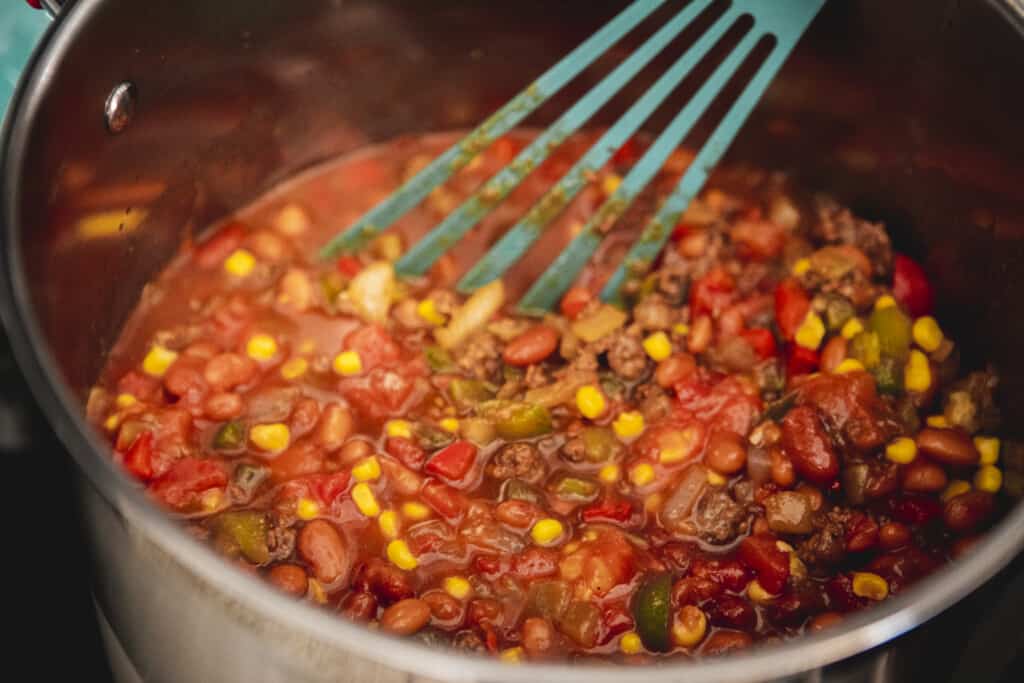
(909, 111)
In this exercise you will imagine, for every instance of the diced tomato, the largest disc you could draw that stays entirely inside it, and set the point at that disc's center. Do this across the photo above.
(298, 460)
(771, 564)
(712, 293)
(187, 478)
(349, 266)
(453, 462)
(757, 239)
(575, 300)
(378, 395)
(791, 306)
(801, 361)
(139, 458)
(762, 340)
(491, 565)
(374, 345)
(629, 153)
(717, 402)
(910, 286)
(841, 597)
(443, 499)
(213, 251)
(411, 455)
(608, 509)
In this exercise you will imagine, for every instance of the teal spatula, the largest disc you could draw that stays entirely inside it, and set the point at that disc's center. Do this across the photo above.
(785, 20)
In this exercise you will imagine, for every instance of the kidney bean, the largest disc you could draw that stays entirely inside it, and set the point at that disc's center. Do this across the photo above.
(390, 584)
(298, 460)
(538, 637)
(353, 451)
(304, 416)
(483, 611)
(679, 556)
(405, 617)
(916, 510)
(730, 574)
(893, 535)
(290, 578)
(532, 346)
(731, 612)
(693, 590)
(700, 335)
(516, 513)
(321, 545)
(184, 380)
(535, 563)
(861, 533)
(335, 426)
(721, 642)
(771, 564)
(726, 453)
(783, 474)
(443, 607)
(674, 369)
(841, 597)
(924, 477)
(228, 370)
(967, 511)
(833, 354)
(359, 606)
(405, 481)
(948, 446)
(823, 621)
(809, 446)
(223, 405)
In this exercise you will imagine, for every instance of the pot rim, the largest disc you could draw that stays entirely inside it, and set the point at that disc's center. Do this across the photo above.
(854, 635)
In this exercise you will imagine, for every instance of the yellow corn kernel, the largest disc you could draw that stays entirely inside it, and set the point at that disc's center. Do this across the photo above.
(917, 376)
(677, 445)
(811, 331)
(681, 329)
(848, 365)
(306, 509)
(852, 328)
(629, 424)
(316, 592)
(127, 401)
(546, 531)
(294, 368)
(988, 478)
(610, 183)
(399, 428)
(757, 593)
(158, 360)
(450, 424)
(954, 489)
(610, 474)
(512, 655)
(927, 333)
(112, 422)
(261, 347)
(797, 567)
(784, 547)
(348, 363)
(988, 448)
(457, 587)
(870, 586)
(240, 263)
(366, 469)
(642, 474)
(689, 626)
(415, 511)
(631, 643)
(937, 421)
(362, 496)
(801, 266)
(590, 401)
(884, 301)
(389, 524)
(658, 346)
(427, 310)
(211, 499)
(902, 450)
(716, 479)
(400, 555)
(270, 437)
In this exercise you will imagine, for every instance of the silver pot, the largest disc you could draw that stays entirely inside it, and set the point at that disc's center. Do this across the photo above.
(911, 113)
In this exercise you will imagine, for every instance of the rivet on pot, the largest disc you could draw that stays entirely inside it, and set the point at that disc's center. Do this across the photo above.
(119, 109)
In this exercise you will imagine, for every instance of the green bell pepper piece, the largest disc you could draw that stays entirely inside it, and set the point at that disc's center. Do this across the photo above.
(469, 393)
(866, 348)
(438, 359)
(517, 489)
(893, 328)
(600, 444)
(247, 531)
(230, 436)
(652, 609)
(572, 488)
(514, 420)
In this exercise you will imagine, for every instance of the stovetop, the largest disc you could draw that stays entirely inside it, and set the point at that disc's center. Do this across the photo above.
(980, 639)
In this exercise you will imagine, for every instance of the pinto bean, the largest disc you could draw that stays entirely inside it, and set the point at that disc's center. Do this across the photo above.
(726, 453)
(924, 477)
(700, 335)
(809, 446)
(323, 548)
(782, 468)
(538, 637)
(228, 370)
(405, 617)
(893, 535)
(335, 426)
(223, 405)
(947, 446)
(354, 450)
(291, 578)
(532, 346)
(184, 379)
(304, 416)
(833, 354)
(967, 511)
(725, 641)
(674, 369)
(516, 513)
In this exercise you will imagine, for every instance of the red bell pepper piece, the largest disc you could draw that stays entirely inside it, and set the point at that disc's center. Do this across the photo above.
(712, 293)
(349, 266)
(762, 340)
(452, 462)
(608, 509)
(327, 487)
(771, 564)
(575, 300)
(791, 306)
(801, 361)
(443, 499)
(910, 286)
(138, 460)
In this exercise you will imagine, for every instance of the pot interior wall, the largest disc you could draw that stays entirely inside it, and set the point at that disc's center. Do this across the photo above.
(909, 113)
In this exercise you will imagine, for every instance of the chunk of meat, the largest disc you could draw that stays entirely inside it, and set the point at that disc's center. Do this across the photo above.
(517, 461)
(827, 545)
(627, 357)
(718, 518)
(481, 356)
(970, 403)
(837, 225)
(850, 406)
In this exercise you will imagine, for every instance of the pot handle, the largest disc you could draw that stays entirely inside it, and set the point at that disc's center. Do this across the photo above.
(52, 7)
